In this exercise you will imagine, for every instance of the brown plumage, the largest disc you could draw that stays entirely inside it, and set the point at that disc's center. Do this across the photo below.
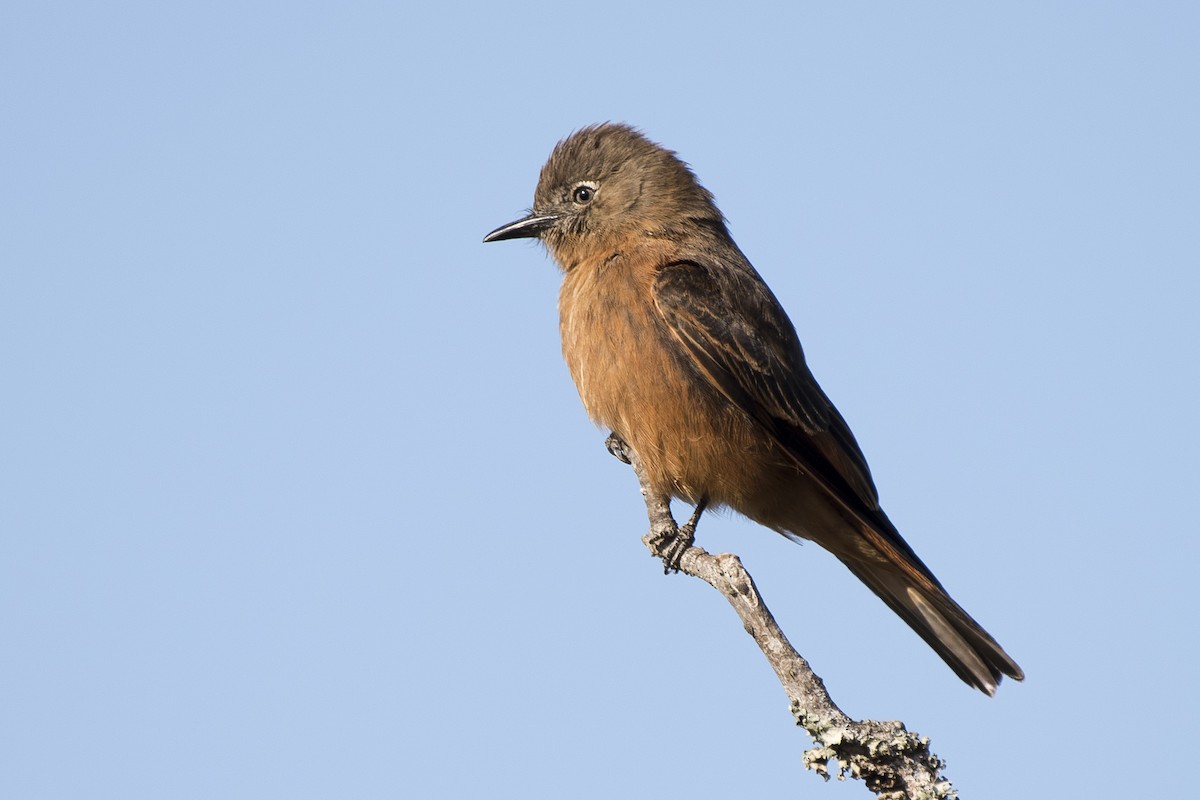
(677, 345)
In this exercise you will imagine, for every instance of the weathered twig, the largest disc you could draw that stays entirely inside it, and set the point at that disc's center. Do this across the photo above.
(894, 763)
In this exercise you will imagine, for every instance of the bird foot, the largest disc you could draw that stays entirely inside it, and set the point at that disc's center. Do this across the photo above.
(670, 542)
(617, 447)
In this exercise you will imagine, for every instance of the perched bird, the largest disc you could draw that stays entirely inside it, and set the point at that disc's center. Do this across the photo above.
(677, 345)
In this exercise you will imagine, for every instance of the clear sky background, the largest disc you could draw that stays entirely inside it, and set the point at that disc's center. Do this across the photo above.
(298, 499)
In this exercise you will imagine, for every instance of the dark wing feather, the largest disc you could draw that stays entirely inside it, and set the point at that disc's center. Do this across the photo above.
(741, 341)
(744, 343)
(736, 330)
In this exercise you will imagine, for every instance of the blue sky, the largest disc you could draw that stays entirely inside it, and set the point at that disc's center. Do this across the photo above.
(298, 499)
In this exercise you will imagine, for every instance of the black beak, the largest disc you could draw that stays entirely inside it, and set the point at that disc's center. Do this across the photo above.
(530, 227)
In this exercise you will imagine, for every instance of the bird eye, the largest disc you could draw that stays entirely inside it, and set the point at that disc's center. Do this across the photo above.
(583, 194)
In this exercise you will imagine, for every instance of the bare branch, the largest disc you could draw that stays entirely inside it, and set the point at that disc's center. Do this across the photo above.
(894, 763)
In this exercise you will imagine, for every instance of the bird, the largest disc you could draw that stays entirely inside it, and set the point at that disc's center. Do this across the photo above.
(677, 345)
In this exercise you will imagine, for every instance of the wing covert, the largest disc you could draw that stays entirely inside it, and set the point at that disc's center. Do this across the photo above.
(743, 342)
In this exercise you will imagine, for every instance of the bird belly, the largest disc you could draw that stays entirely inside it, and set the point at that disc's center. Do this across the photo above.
(635, 378)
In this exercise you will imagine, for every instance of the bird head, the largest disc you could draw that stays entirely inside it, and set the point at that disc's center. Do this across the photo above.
(604, 184)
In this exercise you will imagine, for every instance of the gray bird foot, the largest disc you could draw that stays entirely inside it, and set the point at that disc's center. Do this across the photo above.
(617, 447)
(671, 543)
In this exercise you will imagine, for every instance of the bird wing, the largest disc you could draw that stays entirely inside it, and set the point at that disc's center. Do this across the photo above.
(743, 343)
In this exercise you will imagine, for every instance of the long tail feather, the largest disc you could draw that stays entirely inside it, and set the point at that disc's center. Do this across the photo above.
(961, 642)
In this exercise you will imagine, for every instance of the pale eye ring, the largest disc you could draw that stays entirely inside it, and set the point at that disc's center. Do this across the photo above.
(583, 193)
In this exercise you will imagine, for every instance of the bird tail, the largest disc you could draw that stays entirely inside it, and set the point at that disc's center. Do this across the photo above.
(961, 641)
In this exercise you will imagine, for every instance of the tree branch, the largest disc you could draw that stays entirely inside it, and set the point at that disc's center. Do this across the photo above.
(894, 763)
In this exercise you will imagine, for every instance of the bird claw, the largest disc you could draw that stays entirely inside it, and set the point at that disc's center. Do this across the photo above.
(617, 447)
(670, 543)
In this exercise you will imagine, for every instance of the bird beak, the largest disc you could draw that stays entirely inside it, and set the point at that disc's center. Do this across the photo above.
(530, 227)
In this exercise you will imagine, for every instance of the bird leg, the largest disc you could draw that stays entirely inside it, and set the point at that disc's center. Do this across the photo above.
(666, 539)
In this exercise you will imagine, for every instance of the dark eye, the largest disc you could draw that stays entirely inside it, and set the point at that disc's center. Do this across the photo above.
(583, 194)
